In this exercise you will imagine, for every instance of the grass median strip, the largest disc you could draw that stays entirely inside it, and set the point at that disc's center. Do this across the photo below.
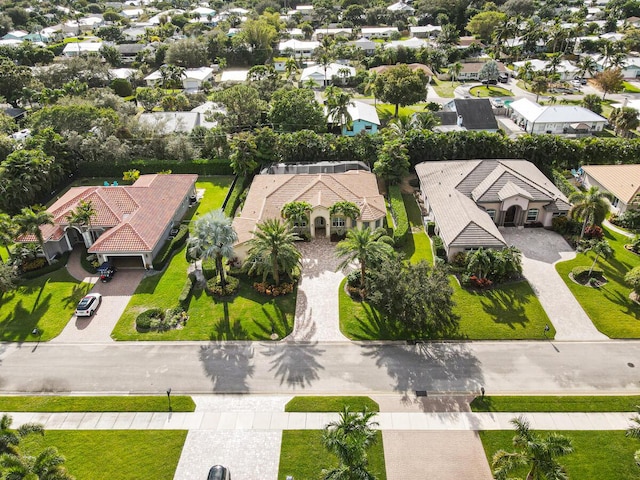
(150, 403)
(330, 404)
(623, 403)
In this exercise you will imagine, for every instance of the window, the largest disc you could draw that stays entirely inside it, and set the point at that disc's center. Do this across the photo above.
(492, 214)
(302, 223)
(532, 215)
(338, 222)
(368, 127)
(378, 222)
(365, 224)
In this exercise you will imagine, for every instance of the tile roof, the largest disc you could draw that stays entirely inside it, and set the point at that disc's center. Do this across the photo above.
(269, 193)
(134, 216)
(623, 181)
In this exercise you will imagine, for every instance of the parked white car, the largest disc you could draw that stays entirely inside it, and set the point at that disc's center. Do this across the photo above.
(88, 305)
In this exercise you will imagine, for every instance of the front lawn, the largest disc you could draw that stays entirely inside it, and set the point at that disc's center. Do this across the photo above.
(602, 455)
(302, 455)
(42, 403)
(330, 404)
(114, 454)
(46, 302)
(418, 245)
(215, 190)
(608, 307)
(444, 89)
(247, 316)
(490, 91)
(629, 88)
(622, 403)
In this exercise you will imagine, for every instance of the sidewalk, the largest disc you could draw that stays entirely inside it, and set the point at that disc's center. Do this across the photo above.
(278, 421)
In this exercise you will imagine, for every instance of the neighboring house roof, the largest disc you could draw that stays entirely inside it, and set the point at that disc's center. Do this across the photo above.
(333, 69)
(135, 216)
(623, 181)
(410, 43)
(534, 112)
(425, 29)
(294, 44)
(475, 67)
(201, 73)
(169, 122)
(234, 75)
(82, 47)
(455, 188)
(361, 111)
(269, 193)
(476, 113)
(122, 72)
(130, 48)
(400, 7)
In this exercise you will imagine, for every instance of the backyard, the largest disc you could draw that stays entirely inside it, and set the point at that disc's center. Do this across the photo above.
(609, 307)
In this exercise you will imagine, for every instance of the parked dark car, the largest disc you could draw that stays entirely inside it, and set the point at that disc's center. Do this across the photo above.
(490, 81)
(106, 271)
(503, 78)
(218, 472)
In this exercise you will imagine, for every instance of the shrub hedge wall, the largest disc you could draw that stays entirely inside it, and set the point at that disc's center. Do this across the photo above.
(57, 265)
(165, 254)
(199, 166)
(399, 212)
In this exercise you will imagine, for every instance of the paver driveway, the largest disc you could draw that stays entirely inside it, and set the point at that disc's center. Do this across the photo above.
(541, 249)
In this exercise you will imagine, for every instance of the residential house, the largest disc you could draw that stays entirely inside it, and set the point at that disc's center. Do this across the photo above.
(323, 76)
(379, 32)
(410, 43)
(621, 181)
(77, 49)
(364, 118)
(470, 199)
(132, 13)
(129, 51)
(134, 34)
(555, 119)
(130, 221)
(467, 114)
(471, 70)
(320, 33)
(234, 76)
(270, 192)
(195, 77)
(468, 42)
(566, 70)
(368, 46)
(401, 7)
(425, 31)
(298, 48)
(82, 25)
(165, 123)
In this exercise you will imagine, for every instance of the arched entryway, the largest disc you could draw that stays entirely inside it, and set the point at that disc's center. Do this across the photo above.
(320, 226)
(511, 216)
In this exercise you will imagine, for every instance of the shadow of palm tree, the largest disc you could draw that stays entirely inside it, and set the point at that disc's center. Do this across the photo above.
(628, 307)
(505, 308)
(295, 363)
(79, 290)
(18, 325)
(228, 365)
(224, 329)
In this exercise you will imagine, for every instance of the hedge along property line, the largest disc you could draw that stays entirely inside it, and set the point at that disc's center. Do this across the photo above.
(399, 213)
(165, 254)
(56, 265)
(199, 166)
(233, 200)
(563, 184)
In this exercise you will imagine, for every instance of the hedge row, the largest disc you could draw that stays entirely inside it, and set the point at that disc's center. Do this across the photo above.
(233, 201)
(165, 254)
(183, 299)
(563, 184)
(56, 265)
(199, 166)
(399, 212)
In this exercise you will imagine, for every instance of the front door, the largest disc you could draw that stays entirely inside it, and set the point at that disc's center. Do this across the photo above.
(321, 229)
(510, 217)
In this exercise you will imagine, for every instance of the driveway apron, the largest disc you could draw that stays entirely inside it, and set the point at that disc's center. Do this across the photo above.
(541, 250)
(317, 317)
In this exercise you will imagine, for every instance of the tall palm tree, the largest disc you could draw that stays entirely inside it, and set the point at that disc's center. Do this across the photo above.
(525, 72)
(7, 231)
(10, 438)
(82, 216)
(591, 207)
(587, 64)
(367, 247)
(213, 237)
(291, 68)
(539, 85)
(338, 103)
(47, 465)
(454, 70)
(536, 452)
(349, 438)
(29, 221)
(272, 251)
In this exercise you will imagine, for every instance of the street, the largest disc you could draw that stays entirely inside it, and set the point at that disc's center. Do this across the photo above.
(322, 368)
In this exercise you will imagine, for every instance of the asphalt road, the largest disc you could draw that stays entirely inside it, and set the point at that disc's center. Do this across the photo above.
(337, 368)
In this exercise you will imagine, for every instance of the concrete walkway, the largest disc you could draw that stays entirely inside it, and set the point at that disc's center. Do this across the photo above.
(611, 226)
(317, 317)
(541, 250)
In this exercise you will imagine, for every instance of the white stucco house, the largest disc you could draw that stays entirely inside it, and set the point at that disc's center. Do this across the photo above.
(621, 181)
(555, 119)
(322, 76)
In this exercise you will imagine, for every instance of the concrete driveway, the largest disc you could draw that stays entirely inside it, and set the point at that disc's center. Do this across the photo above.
(541, 249)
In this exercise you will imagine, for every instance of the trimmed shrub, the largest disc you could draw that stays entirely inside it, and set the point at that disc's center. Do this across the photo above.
(565, 226)
(145, 320)
(593, 232)
(399, 213)
(629, 219)
(273, 291)
(235, 197)
(431, 228)
(563, 184)
(438, 246)
(170, 246)
(215, 289)
(56, 264)
(183, 299)
(581, 273)
(209, 268)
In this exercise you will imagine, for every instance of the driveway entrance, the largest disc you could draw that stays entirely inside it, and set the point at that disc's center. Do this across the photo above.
(541, 249)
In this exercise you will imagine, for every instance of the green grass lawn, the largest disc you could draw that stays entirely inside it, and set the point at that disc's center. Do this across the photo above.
(330, 404)
(444, 89)
(386, 109)
(490, 91)
(157, 403)
(622, 403)
(216, 189)
(609, 307)
(418, 245)
(597, 455)
(114, 454)
(46, 302)
(247, 316)
(303, 456)
(628, 88)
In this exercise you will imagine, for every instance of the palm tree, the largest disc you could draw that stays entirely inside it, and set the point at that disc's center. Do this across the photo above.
(591, 207)
(291, 68)
(213, 237)
(535, 452)
(29, 221)
(7, 231)
(539, 85)
(10, 438)
(338, 103)
(82, 215)
(272, 251)
(624, 120)
(349, 438)
(367, 247)
(634, 432)
(454, 70)
(296, 212)
(171, 75)
(508, 262)
(47, 465)
(479, 262)
(525, 72)
(554, 63)
(602, 249)
(587, 64)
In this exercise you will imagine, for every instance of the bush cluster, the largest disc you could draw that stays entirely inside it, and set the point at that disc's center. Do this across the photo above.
(145, 320)
(399, 213)
(561, 181)
(170, 246)
(33, 264)
(232, 201)
(593, 232)
(209, 268)
(56, 264)
(438, 247)
(215, 288)
(273, 291)
(481, 283)
(629, 220)
(566, 226)
(581, 273)
(185, 294)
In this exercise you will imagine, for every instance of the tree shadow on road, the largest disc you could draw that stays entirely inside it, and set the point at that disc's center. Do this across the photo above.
(295, 363)
(219, 359)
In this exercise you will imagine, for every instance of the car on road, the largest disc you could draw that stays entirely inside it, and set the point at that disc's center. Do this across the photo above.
(88, 305)
(218, 472)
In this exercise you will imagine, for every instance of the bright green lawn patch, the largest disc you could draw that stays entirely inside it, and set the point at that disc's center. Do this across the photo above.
(622, 403)
(629, 88)
(508, 312)
(609, 307)
(490, 91)
(34, 403)
(46, 302)
(111, 455)
(417, 247)
(215, 189)
(247, 316)
(388, 110)
(413, 210)
(444, 89)
(597, 454)
(330, 404)
(303, 455)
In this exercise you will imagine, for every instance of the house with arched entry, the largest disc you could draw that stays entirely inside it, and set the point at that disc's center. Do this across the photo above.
(320, 185)
(470, 201)
(130, 221)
